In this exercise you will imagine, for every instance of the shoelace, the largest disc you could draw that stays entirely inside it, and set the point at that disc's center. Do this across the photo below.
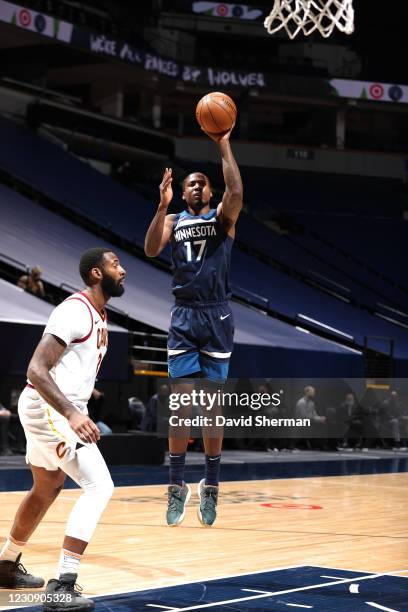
(210, 499)
(72, 587)
(20, 567)
(173, 497)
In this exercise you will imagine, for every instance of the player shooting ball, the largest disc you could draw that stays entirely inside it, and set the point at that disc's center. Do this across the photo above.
(200, 340)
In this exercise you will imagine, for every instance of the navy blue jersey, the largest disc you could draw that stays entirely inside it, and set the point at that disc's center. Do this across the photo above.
(201, 254)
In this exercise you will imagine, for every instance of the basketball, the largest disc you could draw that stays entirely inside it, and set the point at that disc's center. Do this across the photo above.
(216, 112)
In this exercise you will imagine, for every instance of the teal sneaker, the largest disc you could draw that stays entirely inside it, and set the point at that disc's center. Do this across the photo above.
(177, 500)
(207, 510)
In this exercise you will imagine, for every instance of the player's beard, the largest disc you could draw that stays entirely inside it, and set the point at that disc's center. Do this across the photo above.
(111, 287)
(197, 205)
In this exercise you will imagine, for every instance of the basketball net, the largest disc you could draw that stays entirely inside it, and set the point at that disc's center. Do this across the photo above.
(307, 16)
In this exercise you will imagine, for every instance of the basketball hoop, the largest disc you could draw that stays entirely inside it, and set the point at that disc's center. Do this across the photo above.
(307, 16)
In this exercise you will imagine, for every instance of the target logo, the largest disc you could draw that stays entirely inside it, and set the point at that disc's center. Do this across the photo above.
(24, 18)
(376, 91)
(222, 10)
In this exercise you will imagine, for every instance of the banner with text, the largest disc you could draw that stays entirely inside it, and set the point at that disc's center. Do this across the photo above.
(35, 22)
(213, 77)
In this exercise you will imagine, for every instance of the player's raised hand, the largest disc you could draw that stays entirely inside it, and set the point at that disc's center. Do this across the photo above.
(83, 426)
(166, 190)
(220, 136)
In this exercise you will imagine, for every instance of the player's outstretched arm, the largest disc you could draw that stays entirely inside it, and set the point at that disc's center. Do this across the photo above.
(233, 196)
(159, 231)
(46, 355)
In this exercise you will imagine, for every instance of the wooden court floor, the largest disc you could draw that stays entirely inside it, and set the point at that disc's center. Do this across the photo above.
(350, 522)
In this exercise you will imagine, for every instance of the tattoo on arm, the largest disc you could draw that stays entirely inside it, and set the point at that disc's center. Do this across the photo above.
(232, 199)
(45, 357)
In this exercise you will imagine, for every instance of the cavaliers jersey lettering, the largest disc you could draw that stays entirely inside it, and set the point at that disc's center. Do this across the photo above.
(83, 329)
(101, 338)
(201, 253)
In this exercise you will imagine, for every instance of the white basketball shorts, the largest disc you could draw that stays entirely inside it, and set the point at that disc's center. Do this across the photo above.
(51, 442)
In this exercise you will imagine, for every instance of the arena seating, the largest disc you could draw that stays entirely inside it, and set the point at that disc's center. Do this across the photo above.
(43, 165)
(64, 178)
(22, 320)
(377, 242)
(356, 214)
(303, 256)
(262, 343)
(327, 193)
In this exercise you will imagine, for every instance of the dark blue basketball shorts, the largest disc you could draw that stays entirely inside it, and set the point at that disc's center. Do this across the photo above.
(200, 340)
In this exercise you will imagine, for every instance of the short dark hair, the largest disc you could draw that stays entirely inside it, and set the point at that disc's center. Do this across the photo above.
(190, 173)
(92, 258)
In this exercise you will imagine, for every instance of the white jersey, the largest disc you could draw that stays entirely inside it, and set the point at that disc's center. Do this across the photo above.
(83, 328)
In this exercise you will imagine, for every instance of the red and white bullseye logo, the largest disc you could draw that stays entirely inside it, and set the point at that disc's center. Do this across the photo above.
(376, 91)
(222, 10)
(24, 18)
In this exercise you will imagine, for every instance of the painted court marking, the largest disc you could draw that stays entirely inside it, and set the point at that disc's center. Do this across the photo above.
(208, 579)
(332, 577)
(258, 594)
(296, 590)
(375, 605)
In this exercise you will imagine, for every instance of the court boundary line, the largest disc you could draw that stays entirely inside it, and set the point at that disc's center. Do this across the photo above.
(276, 569)
(288, 567)
(343, 569)
(23, 467)
(380, 607)
(369, 575)
(95, 596)
(287, 591)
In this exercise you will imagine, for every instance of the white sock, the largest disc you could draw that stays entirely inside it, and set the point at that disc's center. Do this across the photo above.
(11, 549)
(68, 562)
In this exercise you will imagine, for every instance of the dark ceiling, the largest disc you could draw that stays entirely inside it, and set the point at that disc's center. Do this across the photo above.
(380, 36)
(379, 39)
